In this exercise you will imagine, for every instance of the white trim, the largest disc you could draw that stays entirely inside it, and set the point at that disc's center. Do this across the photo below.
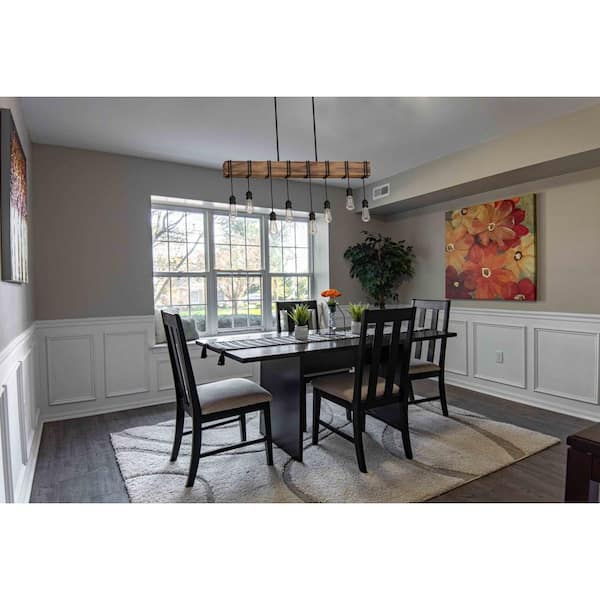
(528, 314)
(16, 342)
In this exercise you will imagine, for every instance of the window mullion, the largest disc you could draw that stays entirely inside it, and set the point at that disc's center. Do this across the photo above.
(211, 280)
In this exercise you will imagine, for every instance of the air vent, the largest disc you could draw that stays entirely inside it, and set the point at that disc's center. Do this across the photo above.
(381, 191)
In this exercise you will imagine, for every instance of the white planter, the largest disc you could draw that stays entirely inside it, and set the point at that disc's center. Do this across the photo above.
(301, 332)
(355, 327)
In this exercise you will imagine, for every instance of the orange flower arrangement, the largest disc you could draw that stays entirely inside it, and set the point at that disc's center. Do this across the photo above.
(331, 295)
(490, 250)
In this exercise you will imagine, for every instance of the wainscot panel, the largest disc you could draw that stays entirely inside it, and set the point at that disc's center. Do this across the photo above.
(98, 365)
(20, 428)
(549, 360)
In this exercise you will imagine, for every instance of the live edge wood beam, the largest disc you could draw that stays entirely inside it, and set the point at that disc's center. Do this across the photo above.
(259, 169)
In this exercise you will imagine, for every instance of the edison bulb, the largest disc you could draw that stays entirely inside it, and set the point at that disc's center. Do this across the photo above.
(249, 203)
(365, 215)
(349, 199)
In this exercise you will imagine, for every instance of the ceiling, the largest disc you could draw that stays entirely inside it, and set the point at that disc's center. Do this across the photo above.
(396, 134)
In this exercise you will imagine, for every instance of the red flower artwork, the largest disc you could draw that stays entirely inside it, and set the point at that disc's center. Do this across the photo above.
(479, 240)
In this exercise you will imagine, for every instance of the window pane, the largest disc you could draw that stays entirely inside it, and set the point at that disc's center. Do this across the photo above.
(303, 288)
(254, 314)
(288, 236)
(302, 234)
(224, 311)
(277, 291)
(238, 230)
(302, 260)
(240, 314)
(196, 257)
(160, 251)
(177, 227)
(289, 260)
(253, 232)
(240, 288)
(180, 290)
(224, 289)
(195, 227)
(197, 290)
(275, 238)
(159, 225)
(254, 288)
(198, 313)
(162, 295)
(253, 258)
(291, 288)
(275, 259)
(238, 258)
(184, 311)
(221, 229)
(177, 257)
(222, 258)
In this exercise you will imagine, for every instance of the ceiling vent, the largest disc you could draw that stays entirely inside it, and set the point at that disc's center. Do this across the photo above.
(381, 191)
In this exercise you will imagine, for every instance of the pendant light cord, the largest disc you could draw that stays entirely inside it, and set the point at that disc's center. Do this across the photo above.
(276, 128)
(309, 185)
(271, 181)
(231, 177)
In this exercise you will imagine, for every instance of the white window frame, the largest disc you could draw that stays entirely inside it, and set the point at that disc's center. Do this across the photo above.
(211, 274)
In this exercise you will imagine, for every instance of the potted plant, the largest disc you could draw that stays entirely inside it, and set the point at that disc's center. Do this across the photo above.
(380, 264)
(331, 295)
(356, 311)
(301, 317)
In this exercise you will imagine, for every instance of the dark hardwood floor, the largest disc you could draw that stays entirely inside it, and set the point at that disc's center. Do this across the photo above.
(77, 464)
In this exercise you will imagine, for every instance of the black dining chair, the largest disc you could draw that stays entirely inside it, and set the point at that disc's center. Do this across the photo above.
(428, 316)
(365, 390)
(210, 402)
(289, 306)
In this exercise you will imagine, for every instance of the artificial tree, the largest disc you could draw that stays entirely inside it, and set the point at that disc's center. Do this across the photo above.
(380, 264)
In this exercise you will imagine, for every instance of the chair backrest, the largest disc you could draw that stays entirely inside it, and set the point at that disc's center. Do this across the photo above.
(393, 363)
(183, 374)
(291, 305)
(428, 315)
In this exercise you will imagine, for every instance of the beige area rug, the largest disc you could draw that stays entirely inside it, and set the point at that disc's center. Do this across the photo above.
(448, 453)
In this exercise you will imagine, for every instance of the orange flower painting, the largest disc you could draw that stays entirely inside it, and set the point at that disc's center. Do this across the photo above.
(491, 251)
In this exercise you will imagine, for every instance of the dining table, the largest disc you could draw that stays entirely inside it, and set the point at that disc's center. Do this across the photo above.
(287, 365)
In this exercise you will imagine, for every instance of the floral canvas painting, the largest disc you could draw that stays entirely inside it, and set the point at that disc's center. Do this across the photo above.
(491, 251)
(13, 202)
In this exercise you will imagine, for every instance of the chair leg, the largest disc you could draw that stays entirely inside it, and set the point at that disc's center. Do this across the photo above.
(195, 458)
(179, 419)
(349, 414)
(411, 392)
(442, 386)
(268, 435)
(303, 416)
(358, 440)
(405, 430)
(243, 428)
(316, 416)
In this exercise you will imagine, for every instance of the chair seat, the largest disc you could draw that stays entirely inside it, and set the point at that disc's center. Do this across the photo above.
(342, 386)
(229, 394)
(418, 366)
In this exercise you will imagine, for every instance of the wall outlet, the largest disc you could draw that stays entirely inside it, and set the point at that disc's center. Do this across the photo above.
(499, 357)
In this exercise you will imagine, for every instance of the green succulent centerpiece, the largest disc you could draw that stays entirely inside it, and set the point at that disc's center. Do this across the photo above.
(356, 313)
(301, 318)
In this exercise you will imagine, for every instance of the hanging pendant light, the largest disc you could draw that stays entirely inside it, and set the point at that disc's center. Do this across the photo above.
(273, 225)
(327, 204)
(289, 213)
(349, 196)
(232, 200)
(312, 219)
(249, 201)
(365, 214)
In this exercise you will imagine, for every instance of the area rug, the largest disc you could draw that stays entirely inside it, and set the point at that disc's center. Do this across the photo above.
(448, 453)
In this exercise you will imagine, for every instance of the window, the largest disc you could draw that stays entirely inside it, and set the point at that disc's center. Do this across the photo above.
(179, 255)
(289, 264)
(226, 274)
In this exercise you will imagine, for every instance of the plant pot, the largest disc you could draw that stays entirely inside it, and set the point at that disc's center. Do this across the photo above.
(355, 327)
(301, 332)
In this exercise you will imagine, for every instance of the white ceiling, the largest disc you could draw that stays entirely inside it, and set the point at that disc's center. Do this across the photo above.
(394, 133)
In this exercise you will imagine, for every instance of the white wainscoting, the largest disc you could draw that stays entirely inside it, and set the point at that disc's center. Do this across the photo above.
(550, 360)
(98, 365)
(20, 428)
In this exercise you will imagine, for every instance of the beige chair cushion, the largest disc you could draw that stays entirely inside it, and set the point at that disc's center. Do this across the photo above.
(229, 394)
(342, 386)
(418, 366)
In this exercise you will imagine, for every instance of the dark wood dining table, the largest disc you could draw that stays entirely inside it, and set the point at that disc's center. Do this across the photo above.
(286, 368)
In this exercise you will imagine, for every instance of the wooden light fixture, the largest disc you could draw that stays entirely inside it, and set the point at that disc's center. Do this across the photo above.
(300, 169)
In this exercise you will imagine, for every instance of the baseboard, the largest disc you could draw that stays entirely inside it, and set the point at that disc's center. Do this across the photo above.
(90, 411)
(571, 409)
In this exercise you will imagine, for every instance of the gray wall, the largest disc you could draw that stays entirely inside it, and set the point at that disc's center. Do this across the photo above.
(93, 254)
(568, 224)
(16, 300)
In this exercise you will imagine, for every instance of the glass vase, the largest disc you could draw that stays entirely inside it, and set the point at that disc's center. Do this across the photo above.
(332, 313)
